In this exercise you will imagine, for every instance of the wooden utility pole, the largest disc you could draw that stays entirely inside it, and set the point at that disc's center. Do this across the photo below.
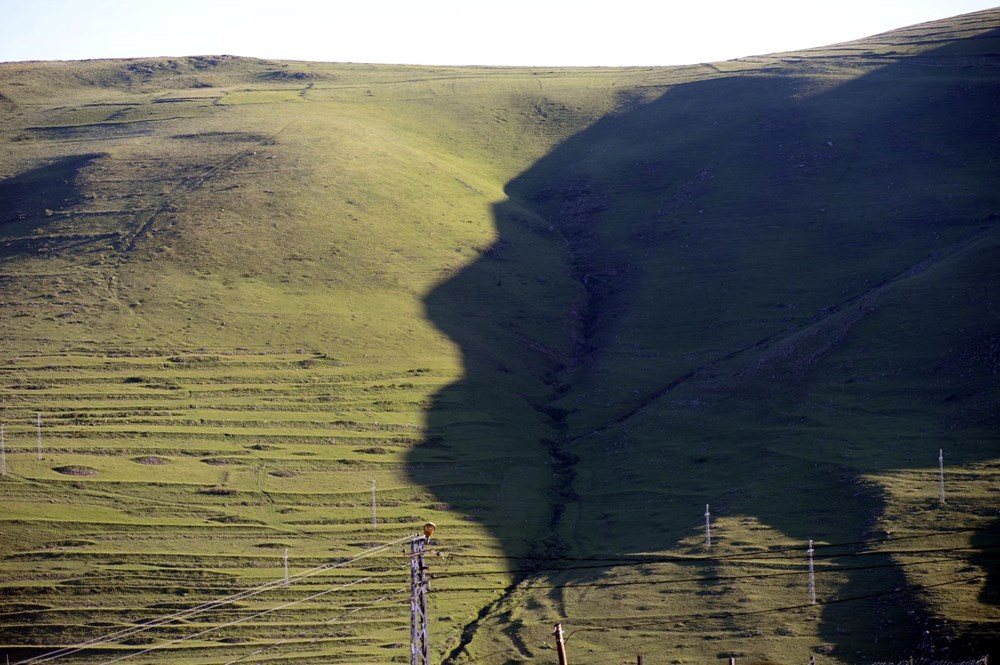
(420, 645)
(560, 644)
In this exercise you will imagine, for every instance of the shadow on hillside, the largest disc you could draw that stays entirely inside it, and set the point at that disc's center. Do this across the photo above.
(27, 198)
(745, 320)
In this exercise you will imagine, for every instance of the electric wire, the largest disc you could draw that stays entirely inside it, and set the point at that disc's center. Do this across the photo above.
(234, 622)
(833, 601)
(560, 569)
(613, 561)
(273, 645)
(187, 613)
(729, 615)
(710, 578)
(644, 558)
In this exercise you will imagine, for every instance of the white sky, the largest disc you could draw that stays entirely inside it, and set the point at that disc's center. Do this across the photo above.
(451, 32)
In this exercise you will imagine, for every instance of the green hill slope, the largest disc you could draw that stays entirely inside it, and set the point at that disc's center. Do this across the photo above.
(555, 311)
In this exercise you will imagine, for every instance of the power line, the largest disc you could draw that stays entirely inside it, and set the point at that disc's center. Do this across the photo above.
(560, 569)
(184, 614)
(654, 558)
(234, 622)
(326, 623)
(711, 578)
(833, 601)
(728, 615)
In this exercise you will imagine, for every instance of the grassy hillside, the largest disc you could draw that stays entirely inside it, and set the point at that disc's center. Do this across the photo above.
(554, 311)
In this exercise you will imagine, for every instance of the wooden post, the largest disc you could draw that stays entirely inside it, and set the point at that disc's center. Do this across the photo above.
(560, 644)
(638, 659)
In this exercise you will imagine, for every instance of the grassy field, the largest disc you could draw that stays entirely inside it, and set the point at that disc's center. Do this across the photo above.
(555, 311)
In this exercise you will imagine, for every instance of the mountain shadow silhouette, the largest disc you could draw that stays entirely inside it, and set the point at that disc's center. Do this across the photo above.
(27, 223)
(762, 292)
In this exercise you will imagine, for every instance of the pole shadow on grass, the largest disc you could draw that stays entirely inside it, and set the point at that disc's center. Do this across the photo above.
(751, 292)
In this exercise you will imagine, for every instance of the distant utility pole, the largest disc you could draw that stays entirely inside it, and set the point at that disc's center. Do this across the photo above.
(374, 519)
(39, 421)
(812, 575)
(708, 527)
(420, 645)
(941, 471)
(3, 452)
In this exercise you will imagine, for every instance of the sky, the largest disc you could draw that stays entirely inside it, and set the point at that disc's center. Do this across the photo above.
(452, 32)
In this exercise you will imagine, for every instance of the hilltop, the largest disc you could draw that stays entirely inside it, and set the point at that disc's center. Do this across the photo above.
(555, 311)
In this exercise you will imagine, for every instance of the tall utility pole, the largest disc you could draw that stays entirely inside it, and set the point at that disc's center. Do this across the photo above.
(708, 527)
(420, 645)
